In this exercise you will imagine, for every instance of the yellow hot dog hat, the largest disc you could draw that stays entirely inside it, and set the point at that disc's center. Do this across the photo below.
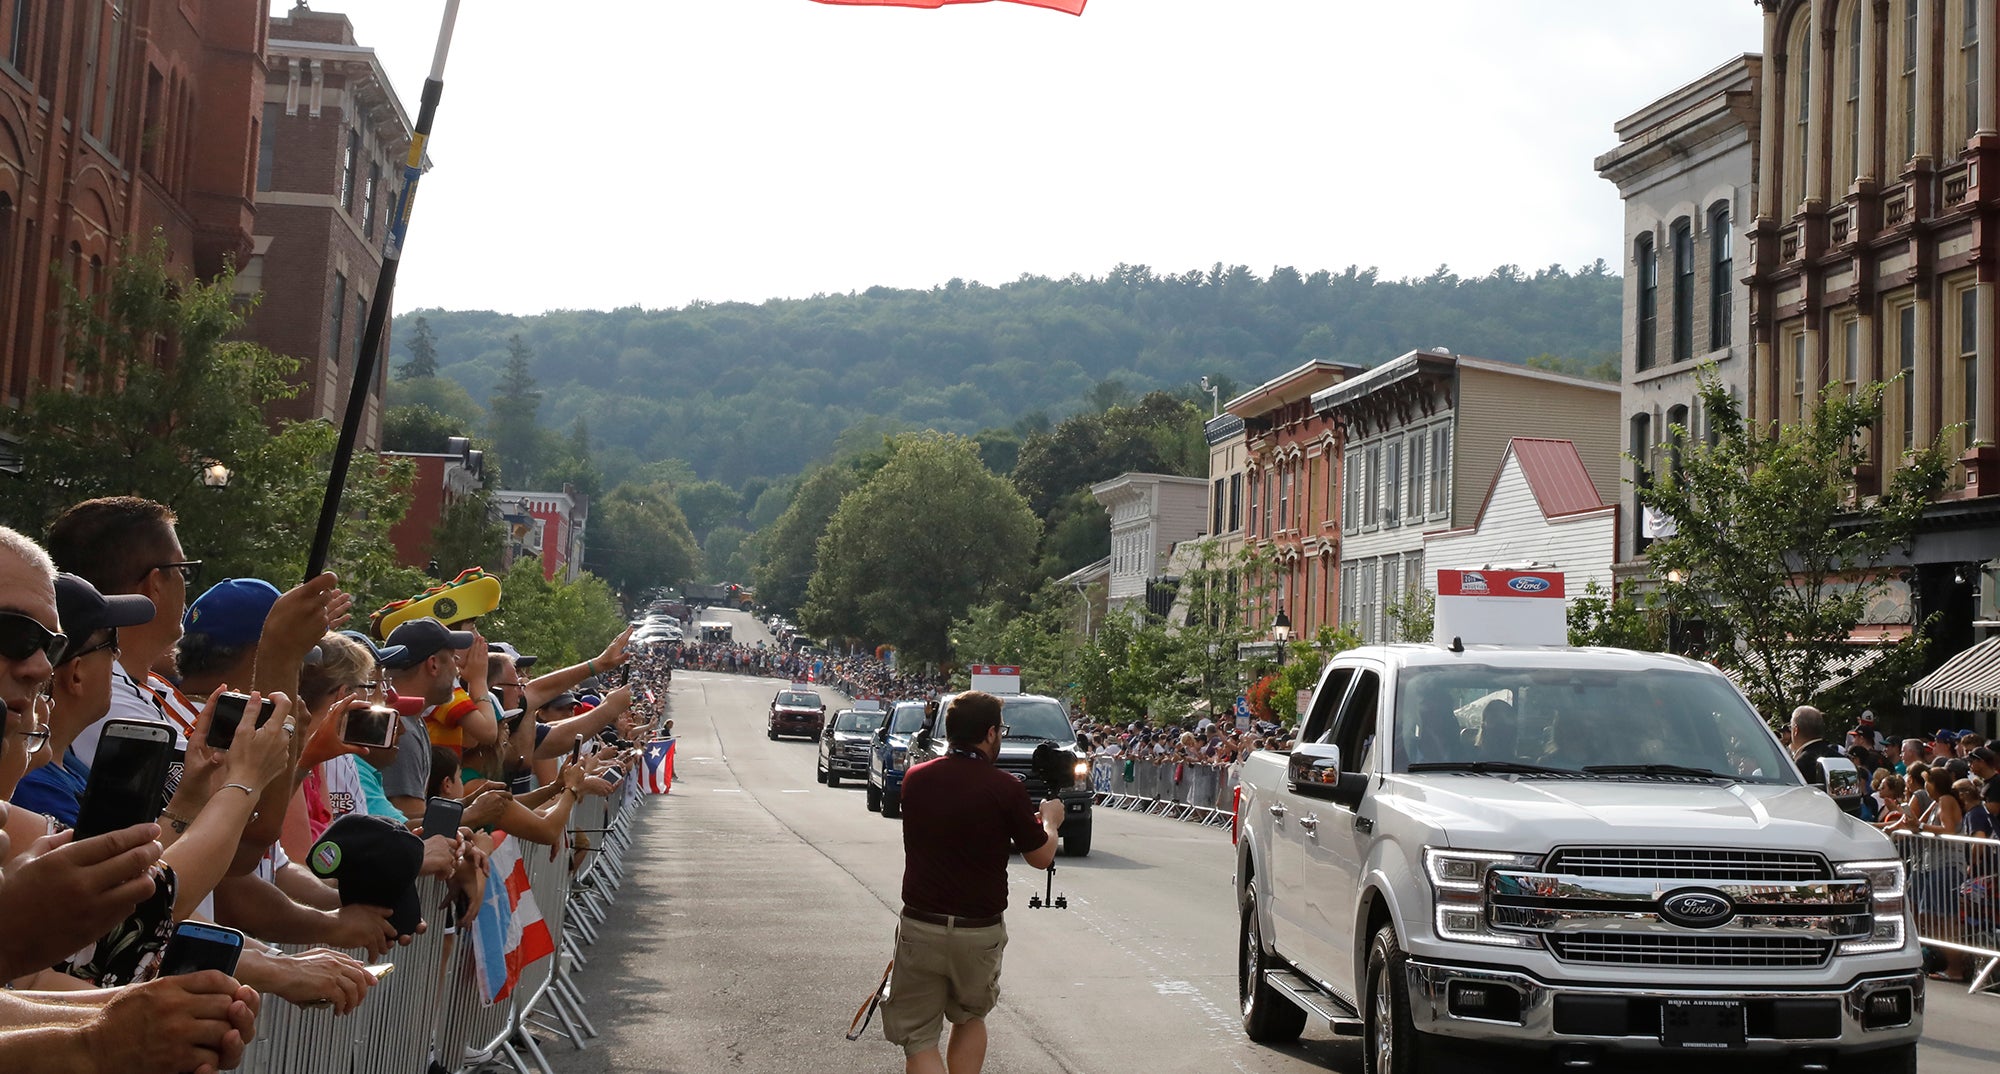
(468, 596)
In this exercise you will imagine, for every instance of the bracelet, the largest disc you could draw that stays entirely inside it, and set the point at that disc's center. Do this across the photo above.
(251, 791)
(591, 666)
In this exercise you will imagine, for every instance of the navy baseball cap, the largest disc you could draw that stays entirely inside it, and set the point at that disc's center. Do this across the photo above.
(84, 611)
(232, 613)
(421, 639)
(375, 862)
(383, 653)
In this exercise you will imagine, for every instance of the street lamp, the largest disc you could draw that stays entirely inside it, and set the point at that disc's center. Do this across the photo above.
(1214, 397)
(215, 475)
(1281, 629)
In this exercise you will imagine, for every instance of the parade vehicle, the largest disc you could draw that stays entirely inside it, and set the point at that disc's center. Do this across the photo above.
(797, 710)
(717, 630)
(1589, 853)
(844, 745)
(1029, 721)
(889, 758)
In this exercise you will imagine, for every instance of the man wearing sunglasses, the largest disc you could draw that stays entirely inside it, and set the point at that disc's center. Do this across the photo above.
(80, 691)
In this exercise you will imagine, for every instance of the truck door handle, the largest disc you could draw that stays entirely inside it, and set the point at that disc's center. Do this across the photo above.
(1278, 810)
(1309, 821)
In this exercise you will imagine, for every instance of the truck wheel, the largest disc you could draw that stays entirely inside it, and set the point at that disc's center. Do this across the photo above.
(1268, 1017)
(819, 773)
(874, 798)
(771, 733)
(1390, 1042)
(892, 804)
(832, 778)
(1076, 844)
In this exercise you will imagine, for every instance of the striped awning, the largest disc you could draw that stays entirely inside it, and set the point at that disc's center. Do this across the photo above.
(1837, 668)
(1968, 682)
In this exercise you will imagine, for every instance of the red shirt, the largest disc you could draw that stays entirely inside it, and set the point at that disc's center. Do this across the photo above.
(962, 819)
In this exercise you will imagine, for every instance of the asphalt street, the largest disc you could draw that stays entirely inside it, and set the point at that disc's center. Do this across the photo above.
(760, 908)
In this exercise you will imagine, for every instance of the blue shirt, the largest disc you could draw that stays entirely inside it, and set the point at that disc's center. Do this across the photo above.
(55, 790)
(373, 801)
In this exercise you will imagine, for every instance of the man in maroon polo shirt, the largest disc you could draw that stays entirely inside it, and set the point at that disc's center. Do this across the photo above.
(962, 819)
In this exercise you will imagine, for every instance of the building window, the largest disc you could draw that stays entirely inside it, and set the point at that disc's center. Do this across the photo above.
(1215, 507)
(1368, 605)
(1968, 356)
(349, 161)
(1413, 498)
(1350, 519)
(267, 144)
(1371, 507)
(1235, 502)
(1851, 160)
(368, 199)
(1270, 506)
(1285, 497)
(1968, 53)
(1683, 246)
(1254, 483)
(1642, 449)
(1329, 500)
(1648, 269)
(1798, 407)
(1349, 589)
(1847, 334)
(339, 310)
(1907, 85)
(1677, 434)
(1800, 54)
(1906, 363)
(17, 35)
(1441, 470)
(1392, 595)
(1392, 482)
(1721, 270)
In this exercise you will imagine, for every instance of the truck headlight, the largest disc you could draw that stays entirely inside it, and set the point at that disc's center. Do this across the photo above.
(896, 757)
(1083, 772)
(1458, 884)
(1888, 894)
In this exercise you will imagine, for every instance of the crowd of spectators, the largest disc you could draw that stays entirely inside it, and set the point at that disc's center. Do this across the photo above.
(1197, 742)
(107, 639)
(855, 676)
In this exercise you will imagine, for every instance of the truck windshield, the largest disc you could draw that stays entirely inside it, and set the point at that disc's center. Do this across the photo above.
(857, 720)
(1582, 719)
(798, 700)
(1036, 719)
(908, 718)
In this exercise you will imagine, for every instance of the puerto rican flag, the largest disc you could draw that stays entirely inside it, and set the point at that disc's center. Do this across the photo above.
(660, 765)
(509, 934)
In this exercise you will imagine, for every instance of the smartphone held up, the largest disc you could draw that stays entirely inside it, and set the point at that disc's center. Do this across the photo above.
(229, 710)
(373, 726)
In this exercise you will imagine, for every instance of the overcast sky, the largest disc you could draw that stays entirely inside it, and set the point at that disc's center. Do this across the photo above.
(603, 153)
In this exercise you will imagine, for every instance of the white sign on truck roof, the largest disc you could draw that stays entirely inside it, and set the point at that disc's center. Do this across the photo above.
(1501, 608)
(996, 678)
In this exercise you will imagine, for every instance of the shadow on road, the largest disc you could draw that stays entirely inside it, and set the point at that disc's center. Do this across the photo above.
(1098, 860)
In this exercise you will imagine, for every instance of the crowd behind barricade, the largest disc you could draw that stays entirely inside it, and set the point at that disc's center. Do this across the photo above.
(1198, 742)
(855, 676)
(175, 758)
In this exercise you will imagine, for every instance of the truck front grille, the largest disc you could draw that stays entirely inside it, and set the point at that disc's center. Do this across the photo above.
(1704, 951)
(1691, 863)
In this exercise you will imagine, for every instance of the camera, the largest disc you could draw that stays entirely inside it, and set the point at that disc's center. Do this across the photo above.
(369, 725)
(1055, 766)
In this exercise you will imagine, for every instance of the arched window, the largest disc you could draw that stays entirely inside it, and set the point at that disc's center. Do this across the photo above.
(1681, 237)
(1851, 119)
(1647, 268)
(1799, 88)
(1968, 58)
(1721, 273)
(1677, 435)
(1904, 112)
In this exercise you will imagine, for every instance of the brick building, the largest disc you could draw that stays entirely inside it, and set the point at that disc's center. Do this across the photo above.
(1874, 256)
(443, 478)
(1291, 497)
(118, 118)
(546, 524)
(333, 136)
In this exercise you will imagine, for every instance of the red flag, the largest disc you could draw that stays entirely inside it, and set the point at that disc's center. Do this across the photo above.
(1073, 7)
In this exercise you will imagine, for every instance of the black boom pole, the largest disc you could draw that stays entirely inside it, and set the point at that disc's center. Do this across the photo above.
(378, 307)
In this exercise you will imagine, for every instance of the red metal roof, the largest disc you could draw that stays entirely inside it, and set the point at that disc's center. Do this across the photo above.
(1556, 475)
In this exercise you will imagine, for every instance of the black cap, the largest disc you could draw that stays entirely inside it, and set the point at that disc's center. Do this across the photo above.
(84, 611)
(1992, 791)
(376, 862)
(421, 639)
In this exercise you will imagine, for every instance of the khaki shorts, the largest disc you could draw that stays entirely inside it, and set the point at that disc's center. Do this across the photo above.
(942, 974)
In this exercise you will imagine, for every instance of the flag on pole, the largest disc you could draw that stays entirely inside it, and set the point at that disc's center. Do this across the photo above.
(660, 765)
(509, 934)
(1073, 7)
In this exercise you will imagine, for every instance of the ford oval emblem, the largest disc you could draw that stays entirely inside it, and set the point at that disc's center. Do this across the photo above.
(1529, 584)
(1697, 909)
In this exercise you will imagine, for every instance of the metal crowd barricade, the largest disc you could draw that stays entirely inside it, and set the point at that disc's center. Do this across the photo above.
(1954, 883)
(1200, 794)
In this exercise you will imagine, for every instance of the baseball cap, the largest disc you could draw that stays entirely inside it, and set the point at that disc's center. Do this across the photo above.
(421, 639)
(520, 659)
(383, 653)
(84, 611)
(1985, 753)
(562, 701)
(232, 613)
(375, 862)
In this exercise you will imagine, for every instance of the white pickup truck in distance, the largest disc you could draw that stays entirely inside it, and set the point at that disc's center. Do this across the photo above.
(1587, 853)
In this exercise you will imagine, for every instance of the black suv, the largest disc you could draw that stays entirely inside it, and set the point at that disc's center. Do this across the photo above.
(843, 746)
(1031, 720)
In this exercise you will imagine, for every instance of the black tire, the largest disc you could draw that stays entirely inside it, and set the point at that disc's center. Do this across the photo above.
(892, 804)
(1390, 1043)
(1268, 1017)
(832, 778)
(819, 773)
(1076, 844)
(874, 798)
(771, 733)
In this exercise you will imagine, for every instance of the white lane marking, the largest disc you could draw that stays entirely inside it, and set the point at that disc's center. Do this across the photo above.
(725, 790)
(796, 792)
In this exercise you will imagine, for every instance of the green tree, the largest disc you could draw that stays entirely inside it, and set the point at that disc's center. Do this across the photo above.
(1598, 616)
(418, 428)
(708, 504)
(441, 394)
(517, 442)
(787, 564)
(930, 535)
(560, 622)
(639, 539)
(1768, 544)
(423, 350)
(570, 463)
(467, 535)
(723, 554)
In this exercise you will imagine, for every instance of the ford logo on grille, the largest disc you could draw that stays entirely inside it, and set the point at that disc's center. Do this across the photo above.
(1697, 909)
(1529, 584)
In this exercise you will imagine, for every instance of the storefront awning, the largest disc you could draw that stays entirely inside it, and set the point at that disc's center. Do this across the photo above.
(1835, 670)
(1968, 682)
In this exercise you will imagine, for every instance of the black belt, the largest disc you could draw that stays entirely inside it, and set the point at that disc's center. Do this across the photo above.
(951, 921)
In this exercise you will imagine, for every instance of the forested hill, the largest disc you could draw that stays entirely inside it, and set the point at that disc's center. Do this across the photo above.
(741, 390)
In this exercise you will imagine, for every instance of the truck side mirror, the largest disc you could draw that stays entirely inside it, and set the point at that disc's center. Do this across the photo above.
(1314, 772)
(1844, 782)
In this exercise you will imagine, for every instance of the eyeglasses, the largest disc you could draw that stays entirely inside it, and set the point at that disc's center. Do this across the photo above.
(21, 637)
(190, 570)
(1005, 730)
(510, 684)
(110, 643)
(37, 739)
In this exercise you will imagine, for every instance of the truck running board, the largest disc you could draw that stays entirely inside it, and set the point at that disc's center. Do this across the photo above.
(1340, 1018)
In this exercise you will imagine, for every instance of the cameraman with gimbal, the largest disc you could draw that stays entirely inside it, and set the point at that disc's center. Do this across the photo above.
(963, 819)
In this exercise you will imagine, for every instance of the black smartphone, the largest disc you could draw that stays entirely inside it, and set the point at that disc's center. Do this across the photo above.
(128, 779)
(576, 750)
(369, 725)
(229, 714)
(441, 817)
(197, 945)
